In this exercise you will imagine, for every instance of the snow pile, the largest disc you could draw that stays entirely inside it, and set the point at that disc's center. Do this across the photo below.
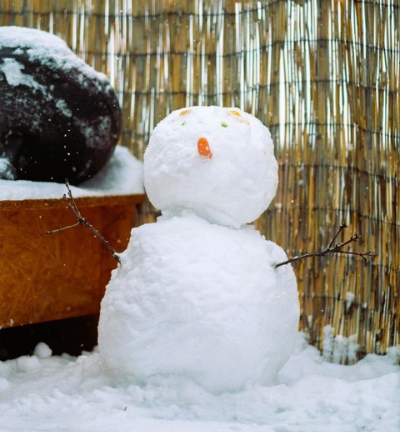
(339, 349)
(200, 300)
(122, 175)
(43, 393)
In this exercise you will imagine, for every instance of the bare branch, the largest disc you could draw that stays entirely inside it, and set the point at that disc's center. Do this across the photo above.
(62, 228)
(331, 249)
(71, 204)
(342, 227)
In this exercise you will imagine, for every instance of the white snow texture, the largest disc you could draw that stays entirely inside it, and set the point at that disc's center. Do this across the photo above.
(233, 187)
(199, 300)
(197, 294)
(37, 44)
(53, 394)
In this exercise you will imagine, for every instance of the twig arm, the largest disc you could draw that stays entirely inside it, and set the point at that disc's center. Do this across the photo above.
(300, 257)
(102, 239)
(342, 227)
(71, 204)
(63, 228)
(331, 249)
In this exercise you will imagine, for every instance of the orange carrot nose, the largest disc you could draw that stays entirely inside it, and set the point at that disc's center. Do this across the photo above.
(204, 148)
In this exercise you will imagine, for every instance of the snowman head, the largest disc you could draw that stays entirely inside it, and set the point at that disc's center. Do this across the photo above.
(216, 162)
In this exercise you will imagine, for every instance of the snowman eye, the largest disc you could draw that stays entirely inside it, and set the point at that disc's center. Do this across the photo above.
(233, 113)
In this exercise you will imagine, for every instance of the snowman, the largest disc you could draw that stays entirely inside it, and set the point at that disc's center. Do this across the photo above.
(198, 295)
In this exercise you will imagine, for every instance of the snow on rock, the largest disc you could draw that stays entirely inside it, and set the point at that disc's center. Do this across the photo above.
(122, 175)
(6, 169)
(231, 185)
(37, 44)
(14, 76)
(202, 301)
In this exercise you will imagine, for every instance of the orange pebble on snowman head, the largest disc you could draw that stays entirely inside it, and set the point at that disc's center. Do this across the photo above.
(203, 147)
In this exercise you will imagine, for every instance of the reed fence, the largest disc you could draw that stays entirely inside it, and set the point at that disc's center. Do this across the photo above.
(323, 75)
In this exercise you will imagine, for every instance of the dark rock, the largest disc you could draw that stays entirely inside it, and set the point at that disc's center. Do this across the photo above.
(58, 117)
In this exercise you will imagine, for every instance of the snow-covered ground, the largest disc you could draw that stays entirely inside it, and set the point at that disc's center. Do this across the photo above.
(48, 393)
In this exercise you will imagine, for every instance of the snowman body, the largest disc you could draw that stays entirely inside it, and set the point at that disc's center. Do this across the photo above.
(198, 294)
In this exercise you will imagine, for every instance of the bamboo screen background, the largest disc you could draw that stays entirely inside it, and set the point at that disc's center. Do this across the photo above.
(323, 76)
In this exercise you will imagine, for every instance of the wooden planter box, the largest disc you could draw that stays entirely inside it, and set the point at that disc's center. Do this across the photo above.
(63, 275)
